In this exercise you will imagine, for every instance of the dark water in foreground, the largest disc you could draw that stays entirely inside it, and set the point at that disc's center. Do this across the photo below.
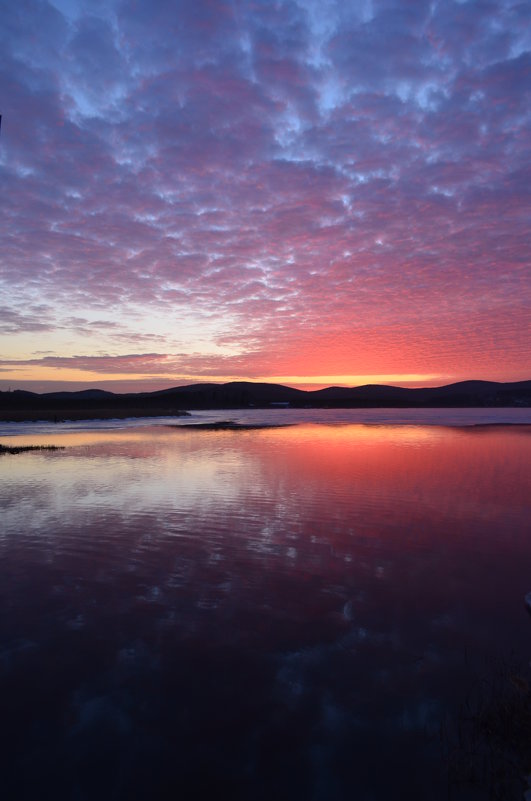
(279, 614)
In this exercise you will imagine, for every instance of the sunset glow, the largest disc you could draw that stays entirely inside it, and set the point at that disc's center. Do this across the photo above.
(308, 193)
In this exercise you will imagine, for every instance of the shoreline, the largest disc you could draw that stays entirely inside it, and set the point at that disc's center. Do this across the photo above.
(74, 415)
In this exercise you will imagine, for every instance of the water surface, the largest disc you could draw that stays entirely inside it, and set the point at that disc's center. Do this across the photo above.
(277, 613)
(283, 416)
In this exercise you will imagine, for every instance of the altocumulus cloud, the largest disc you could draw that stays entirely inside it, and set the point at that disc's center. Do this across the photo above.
(288, 188)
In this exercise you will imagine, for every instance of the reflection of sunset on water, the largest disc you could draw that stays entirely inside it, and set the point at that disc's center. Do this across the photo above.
(336, 472)
(82, 438)
(411, 464)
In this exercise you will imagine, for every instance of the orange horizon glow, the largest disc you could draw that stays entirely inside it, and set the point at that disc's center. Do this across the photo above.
(53, 380)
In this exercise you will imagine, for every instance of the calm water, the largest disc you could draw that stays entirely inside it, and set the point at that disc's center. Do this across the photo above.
(276, 614)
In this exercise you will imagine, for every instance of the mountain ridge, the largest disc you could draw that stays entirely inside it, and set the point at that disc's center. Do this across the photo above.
(86, 404)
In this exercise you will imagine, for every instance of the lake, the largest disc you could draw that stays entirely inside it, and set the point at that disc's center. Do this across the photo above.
(300, 612)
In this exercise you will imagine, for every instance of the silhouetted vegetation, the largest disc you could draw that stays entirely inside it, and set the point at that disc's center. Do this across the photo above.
(23, 448)
(488, 748)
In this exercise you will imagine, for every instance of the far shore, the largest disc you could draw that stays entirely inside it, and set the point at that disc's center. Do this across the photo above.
(59, 415)
(96, 404)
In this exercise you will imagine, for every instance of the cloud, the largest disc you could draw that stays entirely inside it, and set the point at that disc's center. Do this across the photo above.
(263, 185)
(13, 321)
(130, 363)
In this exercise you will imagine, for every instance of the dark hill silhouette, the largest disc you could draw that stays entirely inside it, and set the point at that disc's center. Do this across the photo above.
(461, 394)
(82, 393)
(234, 393)
(94, 403)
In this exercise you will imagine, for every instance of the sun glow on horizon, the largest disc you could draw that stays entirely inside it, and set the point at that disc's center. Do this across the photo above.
(320, 381)
(46, 379)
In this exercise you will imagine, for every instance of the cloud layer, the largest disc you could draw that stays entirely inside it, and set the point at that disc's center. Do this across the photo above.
(253, 189)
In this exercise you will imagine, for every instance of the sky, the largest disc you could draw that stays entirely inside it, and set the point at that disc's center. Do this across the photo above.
(312, 192)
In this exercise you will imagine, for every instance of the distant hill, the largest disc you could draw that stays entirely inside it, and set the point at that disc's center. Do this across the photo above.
(82, 394)
(92, 403)
(461, 394)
